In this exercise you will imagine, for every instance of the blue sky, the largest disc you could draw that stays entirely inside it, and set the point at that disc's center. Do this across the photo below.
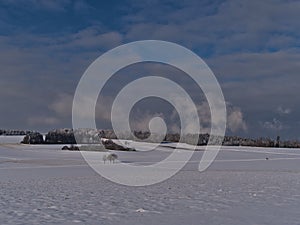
(251, 46)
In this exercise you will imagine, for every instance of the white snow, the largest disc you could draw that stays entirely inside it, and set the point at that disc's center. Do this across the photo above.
(11, 139)
(40, 184)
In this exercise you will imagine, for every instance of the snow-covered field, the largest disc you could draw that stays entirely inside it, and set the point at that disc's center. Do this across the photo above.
(10, 139)
(43, 185)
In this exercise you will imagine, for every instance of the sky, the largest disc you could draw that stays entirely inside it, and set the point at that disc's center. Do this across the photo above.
(252, 47)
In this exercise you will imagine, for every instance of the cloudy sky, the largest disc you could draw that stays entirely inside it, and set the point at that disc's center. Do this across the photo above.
(251, 46)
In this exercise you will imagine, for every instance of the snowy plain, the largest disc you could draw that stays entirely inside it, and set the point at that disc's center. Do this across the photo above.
(41, 184)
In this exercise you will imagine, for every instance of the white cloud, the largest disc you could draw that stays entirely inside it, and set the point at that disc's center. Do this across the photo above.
(275, 124)
(43, 120)
(230, 26)
(251, 45)
(235, 120)
(94, 37)
(140, 121)
(246, 66)
(283, 111)
(62, 105)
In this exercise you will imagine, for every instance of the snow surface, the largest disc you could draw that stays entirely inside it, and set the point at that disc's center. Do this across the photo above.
(11, 139)
(41, 184)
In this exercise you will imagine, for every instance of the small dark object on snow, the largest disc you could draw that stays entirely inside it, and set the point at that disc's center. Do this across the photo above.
(65, 148)
(33, 138)
(267, 158)
(111, 157)
(71, 148)
(109, 144)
